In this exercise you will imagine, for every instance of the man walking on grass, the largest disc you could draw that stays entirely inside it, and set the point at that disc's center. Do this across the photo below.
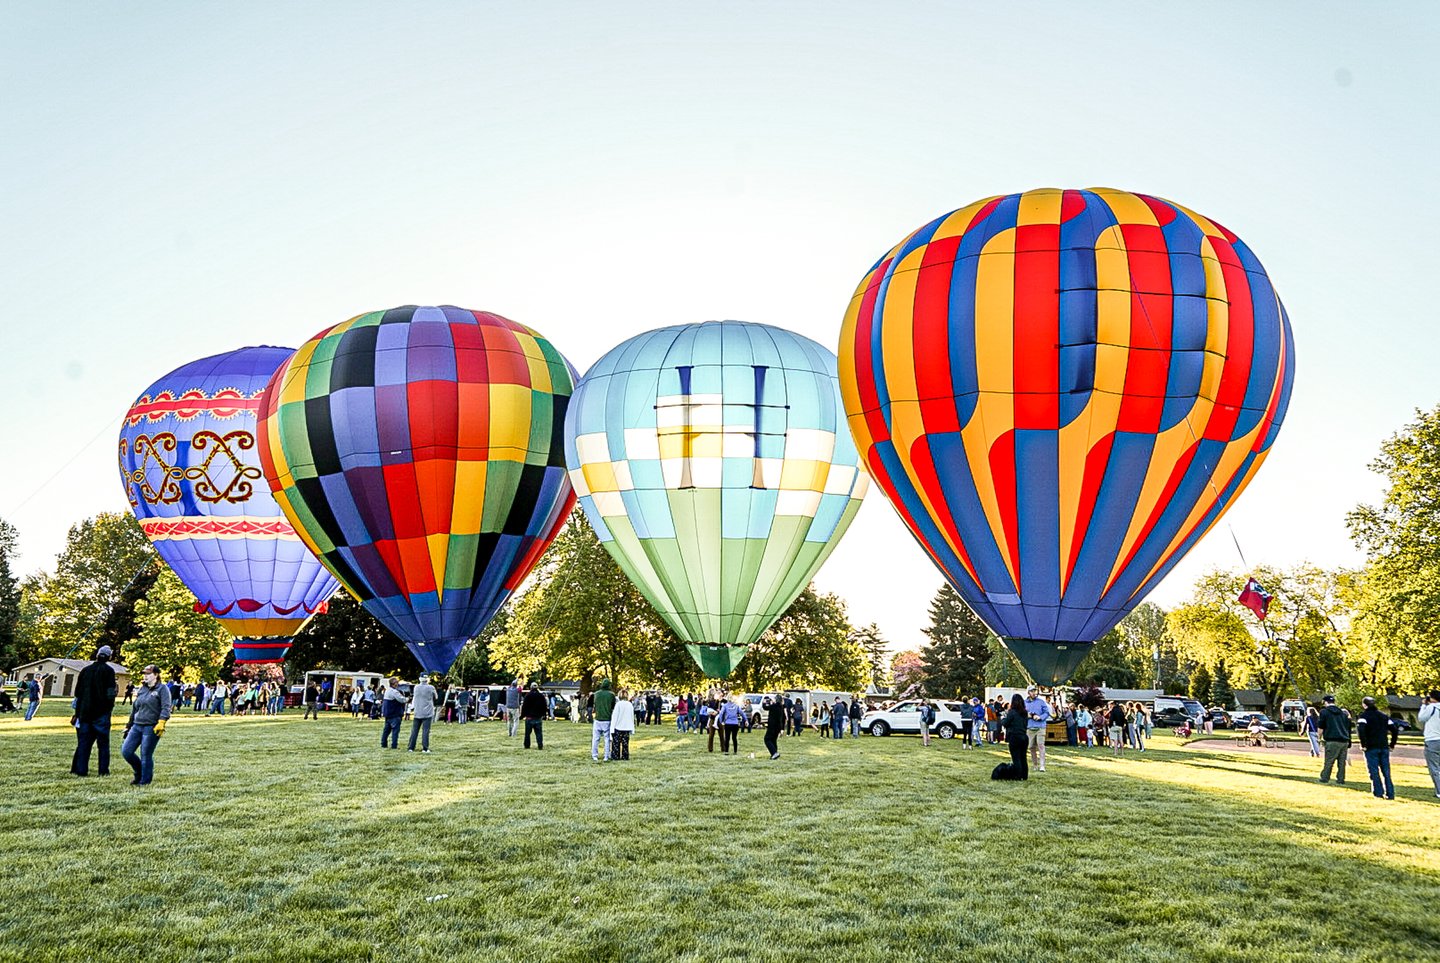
(94, 704)
(1037, 712)
(1378, 733)
(424, 698)
(312, 701)
(32, 690)
(600, 728)
(512, 705)
(774, 722)
(1335, 730)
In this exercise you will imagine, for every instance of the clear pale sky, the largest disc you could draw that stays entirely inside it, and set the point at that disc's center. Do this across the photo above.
(178, 180)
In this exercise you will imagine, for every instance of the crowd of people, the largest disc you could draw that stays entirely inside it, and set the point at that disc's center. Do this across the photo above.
(1021, 722)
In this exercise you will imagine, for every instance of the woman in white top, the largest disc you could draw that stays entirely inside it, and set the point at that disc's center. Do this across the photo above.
(622, 723)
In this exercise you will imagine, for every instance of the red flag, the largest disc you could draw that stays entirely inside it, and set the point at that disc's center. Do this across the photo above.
(1256, 599)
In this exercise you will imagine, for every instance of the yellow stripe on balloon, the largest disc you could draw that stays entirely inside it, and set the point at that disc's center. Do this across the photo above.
(1128, 208)
(898, 330)
(1040, 206)
(958, 222)
(1217, 322)
(1076, 441)
(469, 503)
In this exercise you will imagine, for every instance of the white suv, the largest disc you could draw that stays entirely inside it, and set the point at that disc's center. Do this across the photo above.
(905, 717)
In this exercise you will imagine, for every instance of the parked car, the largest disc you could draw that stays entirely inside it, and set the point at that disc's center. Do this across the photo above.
(1242, 720)
(1220, 718)
(905, 717)
(1170, 717)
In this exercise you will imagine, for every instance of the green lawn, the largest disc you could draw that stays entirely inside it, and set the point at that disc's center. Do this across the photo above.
(266, 839)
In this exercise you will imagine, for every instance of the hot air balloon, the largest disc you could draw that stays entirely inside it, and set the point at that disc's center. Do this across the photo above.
(712, 462)
(1060, 392)
(417, 451)
(192, 475)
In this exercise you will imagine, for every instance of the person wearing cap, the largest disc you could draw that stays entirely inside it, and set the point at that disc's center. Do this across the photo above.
(148, 715)
(1037, 711)
(423, 697)
(95, 692)
(1429, 720)
(1377, 733)
(533, 709)
(1335, 731)
(392, 710)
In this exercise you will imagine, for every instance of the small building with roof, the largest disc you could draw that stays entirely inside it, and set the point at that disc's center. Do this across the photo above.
(58, 676)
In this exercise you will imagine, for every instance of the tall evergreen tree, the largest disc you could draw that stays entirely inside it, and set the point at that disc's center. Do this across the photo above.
(877, 653)
(1201, 682)
(954, 661)
(9, 598)
(1220, 692)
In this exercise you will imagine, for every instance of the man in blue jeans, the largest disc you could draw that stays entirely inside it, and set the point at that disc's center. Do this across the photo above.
(1377, 733)
(392, 710)
(32, 689)
(94, 704)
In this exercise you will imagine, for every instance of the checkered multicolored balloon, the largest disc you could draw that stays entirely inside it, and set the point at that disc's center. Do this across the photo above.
(418, 452)
(713, 464)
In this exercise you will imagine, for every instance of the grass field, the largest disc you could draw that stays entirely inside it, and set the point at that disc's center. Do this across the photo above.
(267, 839)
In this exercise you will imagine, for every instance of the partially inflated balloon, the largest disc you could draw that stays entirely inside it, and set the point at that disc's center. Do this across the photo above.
(1060, 392)
(418, 452)
(713, 464)
(192, 475)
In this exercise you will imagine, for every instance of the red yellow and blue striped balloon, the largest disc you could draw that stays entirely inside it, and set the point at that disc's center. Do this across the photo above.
(1060, 392)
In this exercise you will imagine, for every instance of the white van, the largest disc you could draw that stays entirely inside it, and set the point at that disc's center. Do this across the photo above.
(1292, 714)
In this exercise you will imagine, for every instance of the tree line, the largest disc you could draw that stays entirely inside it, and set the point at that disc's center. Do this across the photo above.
(1371, 629)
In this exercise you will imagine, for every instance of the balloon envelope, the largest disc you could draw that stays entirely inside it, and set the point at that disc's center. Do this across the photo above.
(192, 476)
(713, 464)
(1060, 392)
(418, 452)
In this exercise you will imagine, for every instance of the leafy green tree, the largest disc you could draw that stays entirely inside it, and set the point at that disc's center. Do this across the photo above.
(1146, 637)
(185, 644)
(1220, 692)
(581, 616)
(954, 661)
(1398, 599)
(9, 598)
(1107, 663)
(473, 666)
(349, 638)
(1299, 647)
(811, 646)
(106, 567)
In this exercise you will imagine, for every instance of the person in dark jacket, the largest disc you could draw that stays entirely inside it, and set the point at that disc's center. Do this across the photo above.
(533, 710)
(1335, 731)
(95, 692)
(1378, 733)
(774, 723)
(392, 710)
(148, 715)
(1014, 723)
